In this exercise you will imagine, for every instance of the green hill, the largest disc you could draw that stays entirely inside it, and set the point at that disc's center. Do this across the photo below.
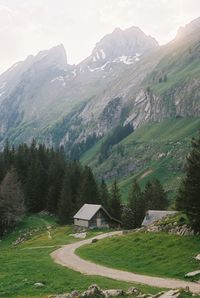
(154, 150)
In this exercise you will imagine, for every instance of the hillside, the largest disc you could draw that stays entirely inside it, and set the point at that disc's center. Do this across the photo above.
(154, 150)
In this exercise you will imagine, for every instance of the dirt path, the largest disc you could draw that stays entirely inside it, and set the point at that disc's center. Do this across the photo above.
(65, 256)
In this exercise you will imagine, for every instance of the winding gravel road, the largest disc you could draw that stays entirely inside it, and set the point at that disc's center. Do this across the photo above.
(66, 256)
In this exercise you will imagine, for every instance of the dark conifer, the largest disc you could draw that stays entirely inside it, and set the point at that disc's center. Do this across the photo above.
(65, 205)
(11, 201)
(188, 197)
(104, 195)
(115, 201)
(136, 204)
(89, 189)
(155, 196)
(128, 221)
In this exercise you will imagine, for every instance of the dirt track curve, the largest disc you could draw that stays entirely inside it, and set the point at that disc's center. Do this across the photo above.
(66, 256)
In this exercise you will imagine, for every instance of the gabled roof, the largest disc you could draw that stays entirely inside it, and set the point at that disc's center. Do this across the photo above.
(154, 215)
(87, 211)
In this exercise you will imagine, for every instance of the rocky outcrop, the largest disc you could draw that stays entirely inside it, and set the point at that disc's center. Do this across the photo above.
(94, 291)
(171, 228)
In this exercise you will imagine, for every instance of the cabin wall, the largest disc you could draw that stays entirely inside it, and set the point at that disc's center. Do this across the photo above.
(81, 222)
(99, 220)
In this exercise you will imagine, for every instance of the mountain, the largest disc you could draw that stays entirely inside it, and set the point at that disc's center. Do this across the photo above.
(43, 90)
(126, 83)
(125, 46)
(164, 110)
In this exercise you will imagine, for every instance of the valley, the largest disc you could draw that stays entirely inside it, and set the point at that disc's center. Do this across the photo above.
(93, 149)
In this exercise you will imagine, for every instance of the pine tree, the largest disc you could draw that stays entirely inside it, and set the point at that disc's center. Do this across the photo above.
(36, 187)
(127, 218)
(65, 205)
(104, 195)
(89, 189)
(8, 155)
(154, 196)
(136, 204)
(75, 169)
(54, 183)
(11, 201)
(115, 201)
(188, 197)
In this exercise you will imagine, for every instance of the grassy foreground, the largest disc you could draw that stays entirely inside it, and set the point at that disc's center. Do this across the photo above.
(25, 264)
(156, 254)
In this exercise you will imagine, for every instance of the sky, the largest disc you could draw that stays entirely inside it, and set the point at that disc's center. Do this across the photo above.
(29, 26)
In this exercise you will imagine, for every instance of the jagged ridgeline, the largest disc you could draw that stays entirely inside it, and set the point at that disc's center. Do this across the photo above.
(128, 81)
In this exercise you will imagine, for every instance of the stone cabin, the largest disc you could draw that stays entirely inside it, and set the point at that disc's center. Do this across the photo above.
(155, 215)
(94, 216)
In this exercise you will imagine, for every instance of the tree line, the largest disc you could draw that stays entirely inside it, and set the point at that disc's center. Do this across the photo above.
(35, 178)
(152, 197)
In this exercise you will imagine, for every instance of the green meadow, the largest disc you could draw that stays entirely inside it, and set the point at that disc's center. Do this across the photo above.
(156, 254)
(25, 264)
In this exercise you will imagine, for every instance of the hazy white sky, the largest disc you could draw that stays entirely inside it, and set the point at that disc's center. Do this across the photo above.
(28, 26)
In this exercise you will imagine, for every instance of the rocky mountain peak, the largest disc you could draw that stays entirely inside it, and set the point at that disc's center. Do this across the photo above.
(120, 46)
(54, 56)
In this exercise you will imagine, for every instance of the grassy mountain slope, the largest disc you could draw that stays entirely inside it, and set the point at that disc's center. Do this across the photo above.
(154, 150)
(181, 65)
(165, 106)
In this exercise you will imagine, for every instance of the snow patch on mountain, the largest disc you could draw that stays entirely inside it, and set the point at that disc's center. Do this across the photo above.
(74, 73)
(60, 79)
(99, 68)
(103, 55)
(97, 56)
(128, 59)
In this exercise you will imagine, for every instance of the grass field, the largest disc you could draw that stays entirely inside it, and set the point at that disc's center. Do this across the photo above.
(25, 264)
(156, 254)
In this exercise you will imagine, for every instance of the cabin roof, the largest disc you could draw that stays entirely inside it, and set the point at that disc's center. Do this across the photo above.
(154, 215)
(87, 211)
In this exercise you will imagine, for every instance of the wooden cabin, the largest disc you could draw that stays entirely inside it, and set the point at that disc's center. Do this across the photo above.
(94, 216)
